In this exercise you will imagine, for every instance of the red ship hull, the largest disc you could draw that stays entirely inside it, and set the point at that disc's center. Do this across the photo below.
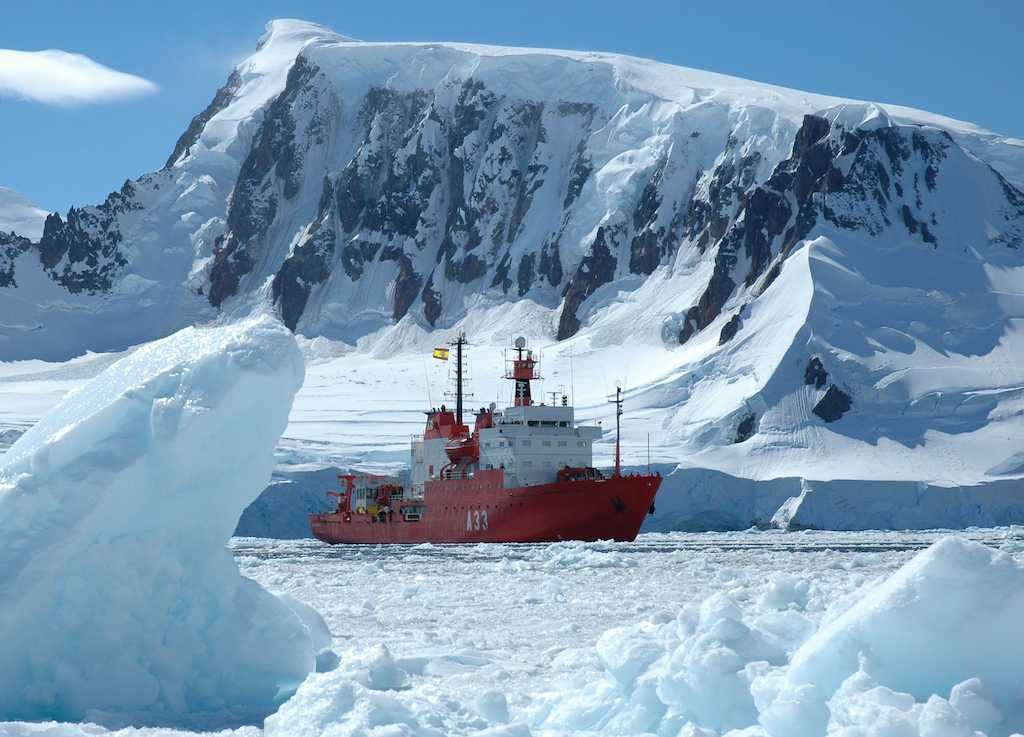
(480, 509)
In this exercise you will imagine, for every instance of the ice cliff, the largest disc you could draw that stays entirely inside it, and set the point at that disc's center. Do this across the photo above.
(118, 599)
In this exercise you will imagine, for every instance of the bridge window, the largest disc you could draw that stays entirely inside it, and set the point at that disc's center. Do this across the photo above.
(546, 443)
(527, 442)
(561, 443)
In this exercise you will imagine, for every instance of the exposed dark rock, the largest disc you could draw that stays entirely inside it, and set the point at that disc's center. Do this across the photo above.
(468, 269)
(501, 277)
(551, 263)
(12, 245)
(773, 217)
(745, 430)
(730, 329)
(355, 255)
(710, 303)
(596, 268)
(582, 167)
(431, 301)
(833, 405)
(644, 251)
(82, 252)
(307, 265)
(254, 202)
(230, 264)
(815, 373)
(525, 274)
(407, 283)
(220, 101)
(706, 220)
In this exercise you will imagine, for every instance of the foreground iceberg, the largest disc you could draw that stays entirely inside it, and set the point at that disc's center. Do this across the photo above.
(118, 599)
(932, 651)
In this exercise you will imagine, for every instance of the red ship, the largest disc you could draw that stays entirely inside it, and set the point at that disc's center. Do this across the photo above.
(523, 474)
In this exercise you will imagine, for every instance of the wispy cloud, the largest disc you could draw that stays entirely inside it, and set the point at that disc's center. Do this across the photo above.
(56, 77)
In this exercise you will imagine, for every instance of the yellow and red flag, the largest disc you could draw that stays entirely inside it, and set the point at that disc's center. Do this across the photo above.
(441, 354)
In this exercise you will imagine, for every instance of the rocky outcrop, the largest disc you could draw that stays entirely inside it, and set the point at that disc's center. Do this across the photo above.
(833, 405)
(863, 178)
(82, 251)
(596, 269)
(815, 374)
(730, 329)
(12, 245)
(271, 170)
(746, 429)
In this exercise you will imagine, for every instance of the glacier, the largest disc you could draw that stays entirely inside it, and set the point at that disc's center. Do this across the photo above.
(119, 601)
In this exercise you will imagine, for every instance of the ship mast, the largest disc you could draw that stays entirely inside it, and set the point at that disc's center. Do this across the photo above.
(523, 371)
(618, 413)
(459, 342)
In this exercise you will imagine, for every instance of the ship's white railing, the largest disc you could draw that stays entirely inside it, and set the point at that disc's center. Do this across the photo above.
(455, 474)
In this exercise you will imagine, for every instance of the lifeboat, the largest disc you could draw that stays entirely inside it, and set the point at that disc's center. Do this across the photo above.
(462, 449)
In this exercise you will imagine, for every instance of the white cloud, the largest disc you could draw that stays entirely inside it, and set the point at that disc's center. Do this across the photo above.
(56, 77)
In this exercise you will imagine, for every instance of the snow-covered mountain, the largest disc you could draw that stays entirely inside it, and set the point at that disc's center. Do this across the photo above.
(798, 286)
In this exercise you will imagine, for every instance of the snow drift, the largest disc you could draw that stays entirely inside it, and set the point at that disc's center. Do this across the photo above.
(932, 650)
(118, 598)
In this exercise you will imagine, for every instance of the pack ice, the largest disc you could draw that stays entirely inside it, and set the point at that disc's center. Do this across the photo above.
(932, 651)
(118, 599)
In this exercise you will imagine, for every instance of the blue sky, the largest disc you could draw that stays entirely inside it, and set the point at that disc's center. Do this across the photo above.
(963, 60)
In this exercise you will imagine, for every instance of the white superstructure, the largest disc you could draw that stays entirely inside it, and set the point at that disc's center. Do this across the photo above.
(532, 442)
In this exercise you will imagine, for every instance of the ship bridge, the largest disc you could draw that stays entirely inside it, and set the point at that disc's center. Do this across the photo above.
(532, 442)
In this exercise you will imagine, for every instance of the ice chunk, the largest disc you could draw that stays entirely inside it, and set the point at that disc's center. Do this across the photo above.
(945, 623)
(931, 651)
(117, 594)
(955, 606)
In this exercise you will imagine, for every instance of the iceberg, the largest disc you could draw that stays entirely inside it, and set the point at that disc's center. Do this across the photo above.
(119, 602)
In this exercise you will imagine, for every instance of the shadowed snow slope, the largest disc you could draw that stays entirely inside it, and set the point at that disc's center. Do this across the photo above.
(118, 598)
